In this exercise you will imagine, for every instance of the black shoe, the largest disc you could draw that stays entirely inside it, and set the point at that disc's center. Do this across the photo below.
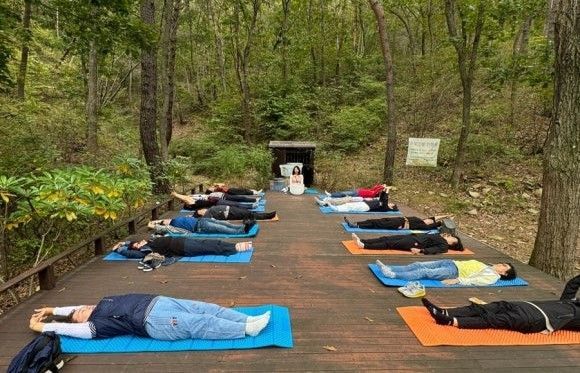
(248, 224)
(351, 225)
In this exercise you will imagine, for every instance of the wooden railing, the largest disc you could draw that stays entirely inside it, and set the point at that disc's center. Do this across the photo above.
(45, 269)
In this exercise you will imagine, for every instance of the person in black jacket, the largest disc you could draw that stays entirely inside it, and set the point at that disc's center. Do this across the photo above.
(543, 316)
(428, 244)
(232, 213)
(399, 222)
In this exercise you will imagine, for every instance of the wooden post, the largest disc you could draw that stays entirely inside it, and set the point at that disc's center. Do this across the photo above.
(46, 278)
(99, 248)
(170, 204)
(155, 213)
(131, 227)
(200, 186)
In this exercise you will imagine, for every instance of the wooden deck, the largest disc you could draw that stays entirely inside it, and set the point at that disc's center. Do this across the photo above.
(300, 263)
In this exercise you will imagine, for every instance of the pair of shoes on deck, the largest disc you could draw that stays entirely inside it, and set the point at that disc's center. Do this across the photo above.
(412, 289)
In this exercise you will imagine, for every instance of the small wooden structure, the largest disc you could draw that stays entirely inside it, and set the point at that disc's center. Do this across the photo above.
(294, 152)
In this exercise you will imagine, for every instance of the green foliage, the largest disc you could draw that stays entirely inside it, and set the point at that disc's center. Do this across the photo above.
(8, 20)
(352, 127)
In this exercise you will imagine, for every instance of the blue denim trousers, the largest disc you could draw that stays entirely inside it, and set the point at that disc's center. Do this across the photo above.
(433, 270)
(346, 193)
(205, 225)
(173, 319)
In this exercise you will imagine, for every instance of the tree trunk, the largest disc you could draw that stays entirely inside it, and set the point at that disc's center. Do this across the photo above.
(519, 48)
(466, 61)
(21, 79)
(550, 21)
(379, 12)
(321, 6)
(284, 37)
(219, 45)
(557, 238)
(242, 61)
(313, 60)
(92, 98)
(169, 40)
(148, 113)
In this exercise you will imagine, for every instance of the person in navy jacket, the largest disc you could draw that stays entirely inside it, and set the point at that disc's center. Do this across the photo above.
(149, 315)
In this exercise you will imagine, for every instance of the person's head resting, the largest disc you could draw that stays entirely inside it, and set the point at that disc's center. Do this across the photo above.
(506, 271)
(296, 170)
(199, 213)
(453, 242)
(81, 314)
(136, 245)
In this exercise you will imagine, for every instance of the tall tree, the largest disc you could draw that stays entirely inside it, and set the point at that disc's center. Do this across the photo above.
(26, 36)
(168, 47)
(388, 172)
(148, 113)
(556, 242)
(92, 103)
(245, 23)
(466, 44)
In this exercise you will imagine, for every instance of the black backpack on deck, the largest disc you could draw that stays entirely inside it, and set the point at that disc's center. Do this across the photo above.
(43, 354)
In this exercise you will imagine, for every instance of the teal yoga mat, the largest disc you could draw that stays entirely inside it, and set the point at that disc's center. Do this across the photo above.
(241, 257)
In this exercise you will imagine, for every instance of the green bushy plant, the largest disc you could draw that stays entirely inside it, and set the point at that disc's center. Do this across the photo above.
(352, 127)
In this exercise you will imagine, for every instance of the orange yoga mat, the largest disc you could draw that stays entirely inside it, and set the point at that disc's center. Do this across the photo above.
(431, 334)
(354, 249)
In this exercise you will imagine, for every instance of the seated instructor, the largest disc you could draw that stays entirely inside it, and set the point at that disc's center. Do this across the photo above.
(399, 222)
(544, 316)
(179, 246)
(416, 243)
(148, 315)
(451, 272)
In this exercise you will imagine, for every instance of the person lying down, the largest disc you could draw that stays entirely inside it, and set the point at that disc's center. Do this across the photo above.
(149, 315)
(544, 316)
(179, 246)
(359, 204)
(399, 223)
(417, 243)
(451, 272)
(232, 213)
(190, 224)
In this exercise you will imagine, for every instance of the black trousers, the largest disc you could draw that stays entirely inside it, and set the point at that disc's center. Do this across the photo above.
(390, 242)
(236, 198)
(396, 223)
(240, 192)
(517, 316)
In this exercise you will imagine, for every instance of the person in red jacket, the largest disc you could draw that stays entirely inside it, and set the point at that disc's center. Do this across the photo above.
(371, 192)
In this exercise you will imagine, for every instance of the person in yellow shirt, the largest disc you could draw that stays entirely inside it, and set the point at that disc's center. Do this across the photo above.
(451, 272)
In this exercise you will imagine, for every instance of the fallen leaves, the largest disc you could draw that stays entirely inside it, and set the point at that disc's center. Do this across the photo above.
(330, 348)
(369, 319)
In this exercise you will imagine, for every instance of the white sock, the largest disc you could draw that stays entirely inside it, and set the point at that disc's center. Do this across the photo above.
(357, 240)
(257, 324)
(328, 194)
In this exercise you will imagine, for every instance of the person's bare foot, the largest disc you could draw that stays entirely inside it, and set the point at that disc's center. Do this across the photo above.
(358, 241)
(244, 246)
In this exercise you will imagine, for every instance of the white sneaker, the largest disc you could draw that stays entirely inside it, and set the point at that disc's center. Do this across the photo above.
(413, 289)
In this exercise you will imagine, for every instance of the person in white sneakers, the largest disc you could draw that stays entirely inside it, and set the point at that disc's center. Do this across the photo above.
(451, 272)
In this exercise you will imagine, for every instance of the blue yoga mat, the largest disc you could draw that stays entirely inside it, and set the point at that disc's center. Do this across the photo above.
(328, 210)
(251, 233)
(438, 284)
(311, 191)
(387, 231)
(241, 257)
(278, 333)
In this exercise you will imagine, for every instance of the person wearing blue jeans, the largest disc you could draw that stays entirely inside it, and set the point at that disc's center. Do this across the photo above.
(149, 315)
(191, 224)
(451, 272)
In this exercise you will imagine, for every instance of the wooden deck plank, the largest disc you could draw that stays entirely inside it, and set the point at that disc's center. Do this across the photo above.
(299, 263)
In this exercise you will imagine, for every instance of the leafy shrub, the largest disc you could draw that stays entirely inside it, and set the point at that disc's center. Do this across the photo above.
(352, 127)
